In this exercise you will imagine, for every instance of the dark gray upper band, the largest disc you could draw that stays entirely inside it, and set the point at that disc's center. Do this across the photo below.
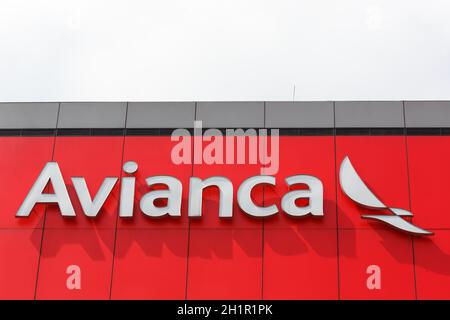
(135, 115)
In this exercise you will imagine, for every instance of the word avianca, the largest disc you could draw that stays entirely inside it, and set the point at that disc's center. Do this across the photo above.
(51, 175)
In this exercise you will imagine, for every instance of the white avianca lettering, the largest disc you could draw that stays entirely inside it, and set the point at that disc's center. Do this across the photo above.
(51, 174)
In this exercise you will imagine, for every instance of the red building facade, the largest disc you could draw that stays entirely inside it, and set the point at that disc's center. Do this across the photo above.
(278, 257)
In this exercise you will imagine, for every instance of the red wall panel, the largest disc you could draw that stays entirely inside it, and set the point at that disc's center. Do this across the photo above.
(389, 250)
(239, 258)
(150, 264)
(153, 155)
(429, 171)
(89, 249)
(225, 255)
(19, 255)
(236, 173)
(381, 163)
(21, 161)
(225, 264)
(310, 156)
(300, 254)
(93, 158)
(300, 264)
(429, 164)
(432, 257)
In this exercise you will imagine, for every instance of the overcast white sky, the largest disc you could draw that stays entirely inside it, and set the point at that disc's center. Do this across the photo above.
(224, 50)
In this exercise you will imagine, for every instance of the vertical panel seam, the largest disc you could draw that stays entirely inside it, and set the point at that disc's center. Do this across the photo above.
(336, 203)
(409, 196)
(45, 211)
(262, 224)
(189, 220)
(118, 210)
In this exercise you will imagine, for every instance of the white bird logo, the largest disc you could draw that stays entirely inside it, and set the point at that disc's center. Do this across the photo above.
(357, 190)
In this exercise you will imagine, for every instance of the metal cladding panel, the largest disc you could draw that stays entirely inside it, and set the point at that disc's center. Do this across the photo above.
(231, 114)
(160, 115)
(34, 115)
(92, 115)
(299, 115)
(369, 114)
(427, 114)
